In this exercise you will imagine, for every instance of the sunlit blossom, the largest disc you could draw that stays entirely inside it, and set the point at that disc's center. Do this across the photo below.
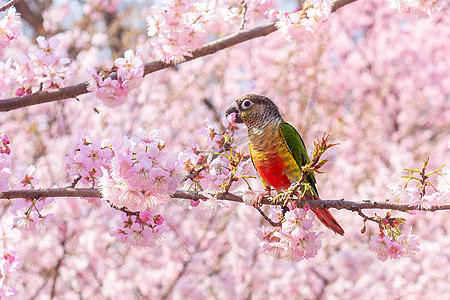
(9, 27)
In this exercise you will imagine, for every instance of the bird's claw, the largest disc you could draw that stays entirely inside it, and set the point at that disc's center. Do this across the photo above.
(260, 196)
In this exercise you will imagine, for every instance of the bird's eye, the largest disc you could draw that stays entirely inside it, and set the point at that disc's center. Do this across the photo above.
(247, 104)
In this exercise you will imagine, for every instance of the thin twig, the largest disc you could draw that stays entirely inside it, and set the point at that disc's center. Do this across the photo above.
(274, 224)
(75, 181)
(244, 12)
(366, 217)
(194, 173)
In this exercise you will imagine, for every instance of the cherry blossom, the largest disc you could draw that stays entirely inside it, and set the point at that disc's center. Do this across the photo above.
(179, 28)
(375, 78)
(425, 202)
(9, 27)
(140, 175)
(250, 197)
(9, 260)
(303, 24)
(294, 240)
(423, 8)
(404, 195)
(94, 8)
(384, 247)
(114, 92)
(144, 230)
(211, 170)
(30, 214)
(4, 141)
(444, 183)
(86, 158)
(46, 67)
(5, 172)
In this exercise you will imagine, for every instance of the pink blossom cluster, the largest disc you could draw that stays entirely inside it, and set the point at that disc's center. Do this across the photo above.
(29, 214)
(391, 243)
(4, 142)
(304, 23)
(207, 170)
(9, 261)
(9, 28)
(345, 83)
(391, 246)
(87, 158)
(264, 7)
(114, 92)
(96, 8)
(423, 8)
(235, 12)
(46, 68)
(55, 15)
(179, 27)
(5, 173)
(295, 239)
(141, 175)
(412, 195)
(144, 229)
(443, 186)
(6, 73)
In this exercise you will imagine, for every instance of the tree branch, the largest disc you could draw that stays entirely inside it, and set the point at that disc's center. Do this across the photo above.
(81, 88)
(43, 97)
(207, 49)
(199, 195)
(8, 4)
(45, 193)
(340, 3)
(35, 19)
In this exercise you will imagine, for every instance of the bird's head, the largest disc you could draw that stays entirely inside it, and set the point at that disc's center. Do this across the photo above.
(254, 111)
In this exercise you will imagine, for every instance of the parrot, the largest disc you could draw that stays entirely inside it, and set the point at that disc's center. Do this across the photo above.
(277, 150)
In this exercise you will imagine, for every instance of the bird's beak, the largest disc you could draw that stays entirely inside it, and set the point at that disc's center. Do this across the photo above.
(233, 109)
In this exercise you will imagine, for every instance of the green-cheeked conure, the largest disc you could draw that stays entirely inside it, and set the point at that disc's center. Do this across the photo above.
(277, 150)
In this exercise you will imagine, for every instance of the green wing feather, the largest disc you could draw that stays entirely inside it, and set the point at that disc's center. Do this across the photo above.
(298, 150)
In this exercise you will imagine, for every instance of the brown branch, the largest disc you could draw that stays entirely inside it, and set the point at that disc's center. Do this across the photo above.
(35, 19)
(269, 220)
(200, 195)
(45, 193)
(81, 88)
(75, 181)
(8, 4)
(217, 45)
(43, 97)
(207, 49)
(340, 3)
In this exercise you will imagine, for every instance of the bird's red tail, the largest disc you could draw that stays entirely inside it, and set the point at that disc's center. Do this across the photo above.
(328, 220)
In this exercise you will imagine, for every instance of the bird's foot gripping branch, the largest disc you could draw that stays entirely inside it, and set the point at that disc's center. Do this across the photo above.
(136, 178)
(293, 235)
(296, 195)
